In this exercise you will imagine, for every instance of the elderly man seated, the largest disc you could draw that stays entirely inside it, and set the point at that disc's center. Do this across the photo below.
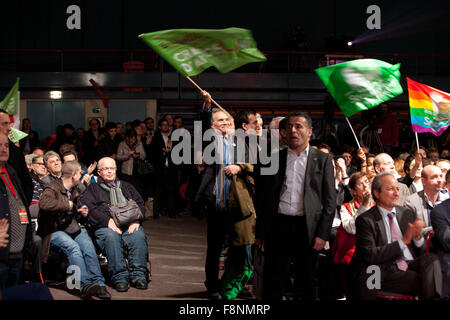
(111, 238)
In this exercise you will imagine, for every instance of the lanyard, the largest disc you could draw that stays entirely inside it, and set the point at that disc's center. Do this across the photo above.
(8, 183)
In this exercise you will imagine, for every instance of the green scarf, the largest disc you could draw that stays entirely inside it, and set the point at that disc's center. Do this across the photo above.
(115, 193)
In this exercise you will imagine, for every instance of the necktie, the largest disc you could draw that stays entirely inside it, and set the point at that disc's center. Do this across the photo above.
(395, 236)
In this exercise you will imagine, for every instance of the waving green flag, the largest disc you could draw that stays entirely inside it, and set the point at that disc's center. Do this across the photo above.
(11, 101)
(191, 51)
(361, 84)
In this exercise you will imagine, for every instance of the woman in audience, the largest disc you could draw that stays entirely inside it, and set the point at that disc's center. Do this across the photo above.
(345, 241)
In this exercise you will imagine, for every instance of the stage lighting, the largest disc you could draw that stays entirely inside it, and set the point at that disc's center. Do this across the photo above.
(349, 44)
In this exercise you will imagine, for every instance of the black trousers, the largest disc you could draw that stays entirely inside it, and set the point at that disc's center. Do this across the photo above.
(165, 192)
(217, 223)
(288, 242)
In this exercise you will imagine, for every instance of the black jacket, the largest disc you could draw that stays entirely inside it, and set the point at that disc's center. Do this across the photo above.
(5, 211)
(319, 197)
(17, 161)
(98, 201)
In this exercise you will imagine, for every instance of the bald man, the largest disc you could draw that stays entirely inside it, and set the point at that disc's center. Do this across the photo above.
(384, 163)
(112, 238)
(422, 202)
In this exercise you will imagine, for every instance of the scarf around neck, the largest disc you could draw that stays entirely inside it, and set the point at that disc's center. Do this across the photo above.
(115, 193)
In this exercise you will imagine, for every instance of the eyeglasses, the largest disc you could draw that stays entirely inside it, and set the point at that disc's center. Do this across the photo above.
(40, 163)
(107, 169)
(360, 184)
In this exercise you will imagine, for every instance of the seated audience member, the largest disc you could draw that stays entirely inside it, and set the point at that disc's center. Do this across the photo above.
(52, 162)
(398, 163)
(28, 159)
(59, 214)
(390, 237)
(110, 238)
(15, 226)
(384, 163)
(38, 172)
(445, 167)
(345, 242)
(422, 202)
(433, 155)
(412, 167)
(369, 170)
(440, 220)
(38, 151)
(87, 175)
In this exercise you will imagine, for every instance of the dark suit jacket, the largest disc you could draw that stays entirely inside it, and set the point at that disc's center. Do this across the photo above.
(17, 161)
(319, 198)
(372, 247)
(440, 220)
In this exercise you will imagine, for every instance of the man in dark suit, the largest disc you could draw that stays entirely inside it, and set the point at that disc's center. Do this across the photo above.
(297, 214)
(440, 220)
(390, 237)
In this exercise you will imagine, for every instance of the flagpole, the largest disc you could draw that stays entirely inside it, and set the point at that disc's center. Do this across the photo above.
(417, 141)
(213, 101)
(353, 132)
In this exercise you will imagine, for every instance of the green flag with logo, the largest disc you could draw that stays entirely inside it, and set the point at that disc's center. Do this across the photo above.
(16, 135)
(11, 102)
(361, 84)
(191, 51)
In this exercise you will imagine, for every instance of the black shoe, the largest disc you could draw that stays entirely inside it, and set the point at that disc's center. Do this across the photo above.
(140, 284)
(214, 296)
(121, 286)
(103, 294)
(89, 291)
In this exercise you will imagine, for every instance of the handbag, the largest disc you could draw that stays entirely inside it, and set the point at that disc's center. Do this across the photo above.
(144, 167)
(125, 213)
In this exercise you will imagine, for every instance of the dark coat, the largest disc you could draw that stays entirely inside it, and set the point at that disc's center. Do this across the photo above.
(98, 201)
(372, 247)
(55, 214)
(5, 211)
(440, 220)
(319, 197)
(107, 147)
(17, 161)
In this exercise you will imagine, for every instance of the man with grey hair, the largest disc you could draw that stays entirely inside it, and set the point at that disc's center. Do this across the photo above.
(390, 237)
(52, 162)
(384, 163)
(113, 239)
(59, 217)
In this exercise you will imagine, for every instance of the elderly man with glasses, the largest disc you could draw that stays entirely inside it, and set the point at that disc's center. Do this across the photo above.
(111, 238)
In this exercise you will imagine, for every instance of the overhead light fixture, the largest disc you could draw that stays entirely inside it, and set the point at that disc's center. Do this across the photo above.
(56, 94)
(349, 43)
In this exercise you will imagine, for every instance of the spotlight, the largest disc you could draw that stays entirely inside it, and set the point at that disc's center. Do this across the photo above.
(349, 43)
(56, 94)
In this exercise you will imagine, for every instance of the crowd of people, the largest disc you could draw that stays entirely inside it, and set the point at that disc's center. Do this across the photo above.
(316, 226)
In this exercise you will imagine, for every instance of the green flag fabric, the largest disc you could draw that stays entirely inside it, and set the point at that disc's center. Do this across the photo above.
(191, 51)
(362, 84)
(16, 135)
(11, 102)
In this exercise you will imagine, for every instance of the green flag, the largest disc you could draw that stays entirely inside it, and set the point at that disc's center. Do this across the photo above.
(191, 51)
(16, 135)
(361, 84)
(11, 101)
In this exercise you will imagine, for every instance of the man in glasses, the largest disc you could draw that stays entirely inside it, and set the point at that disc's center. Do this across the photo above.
(111, 238)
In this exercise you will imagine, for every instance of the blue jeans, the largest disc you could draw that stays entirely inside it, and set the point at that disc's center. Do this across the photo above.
(10, 273)
(80, 251)
(111, 243)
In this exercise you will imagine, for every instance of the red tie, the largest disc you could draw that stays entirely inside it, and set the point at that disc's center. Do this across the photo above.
(395, 236)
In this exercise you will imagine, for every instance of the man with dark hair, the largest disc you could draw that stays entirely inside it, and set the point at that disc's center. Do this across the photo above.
(90, 141)
(298, 211)
(107, 147)
(150, 125)
(15, 214)
(17, 159)
(60, 212)
(166, 175)
(390, 237)
(178, 122)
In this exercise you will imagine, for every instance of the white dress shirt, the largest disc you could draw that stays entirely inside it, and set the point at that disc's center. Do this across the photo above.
(293, 190)
(406, 253)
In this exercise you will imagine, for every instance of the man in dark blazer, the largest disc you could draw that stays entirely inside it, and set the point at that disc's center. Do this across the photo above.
(440, 220)
(390, 237)
(296, 217)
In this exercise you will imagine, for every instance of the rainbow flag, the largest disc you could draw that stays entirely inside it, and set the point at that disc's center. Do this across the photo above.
(430, 108)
